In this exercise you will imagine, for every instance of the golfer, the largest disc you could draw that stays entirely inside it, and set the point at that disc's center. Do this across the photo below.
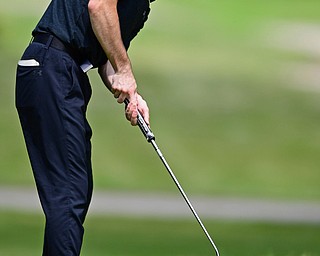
(52, 94)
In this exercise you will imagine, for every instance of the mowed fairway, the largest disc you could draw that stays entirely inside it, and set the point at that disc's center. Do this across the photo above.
(225, 115)
(228, 112)
(21, 234)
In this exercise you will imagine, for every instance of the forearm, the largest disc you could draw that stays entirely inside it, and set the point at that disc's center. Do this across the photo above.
(105, 72)
(105, 24)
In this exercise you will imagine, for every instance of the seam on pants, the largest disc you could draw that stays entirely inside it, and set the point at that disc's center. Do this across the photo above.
(72, 84)
(68, 164)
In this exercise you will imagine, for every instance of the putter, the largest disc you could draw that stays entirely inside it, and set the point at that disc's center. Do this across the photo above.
(151, 139)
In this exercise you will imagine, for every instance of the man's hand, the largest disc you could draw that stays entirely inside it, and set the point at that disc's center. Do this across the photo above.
(123, 86)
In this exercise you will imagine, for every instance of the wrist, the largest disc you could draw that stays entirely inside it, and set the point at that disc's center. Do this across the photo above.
(123, 67)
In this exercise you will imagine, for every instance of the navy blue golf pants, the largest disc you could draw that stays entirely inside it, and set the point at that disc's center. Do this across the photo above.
(52, 94)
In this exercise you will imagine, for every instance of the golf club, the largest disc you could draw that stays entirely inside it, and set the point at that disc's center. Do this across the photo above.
(151, 139)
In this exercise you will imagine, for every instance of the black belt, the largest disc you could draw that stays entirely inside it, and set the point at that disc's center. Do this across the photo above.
(44, 38)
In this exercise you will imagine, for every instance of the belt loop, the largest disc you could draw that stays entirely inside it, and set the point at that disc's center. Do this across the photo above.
(49, 41)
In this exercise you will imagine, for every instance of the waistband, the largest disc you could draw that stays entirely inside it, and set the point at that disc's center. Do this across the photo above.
(54, 42)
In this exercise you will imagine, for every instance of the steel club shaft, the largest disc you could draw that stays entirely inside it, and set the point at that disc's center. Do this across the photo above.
(156, 148)
(151, 139)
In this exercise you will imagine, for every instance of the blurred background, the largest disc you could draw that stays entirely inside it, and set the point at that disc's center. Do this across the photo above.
(233, 89)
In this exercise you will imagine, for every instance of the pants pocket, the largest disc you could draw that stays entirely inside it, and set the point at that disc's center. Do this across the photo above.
(27, 81)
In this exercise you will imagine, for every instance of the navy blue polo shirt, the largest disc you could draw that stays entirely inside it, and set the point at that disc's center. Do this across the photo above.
(69, 21)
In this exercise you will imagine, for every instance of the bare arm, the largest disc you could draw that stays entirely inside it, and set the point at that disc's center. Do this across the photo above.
(105, 24)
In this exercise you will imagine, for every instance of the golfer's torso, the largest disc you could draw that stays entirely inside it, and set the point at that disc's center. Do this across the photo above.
(69, 21)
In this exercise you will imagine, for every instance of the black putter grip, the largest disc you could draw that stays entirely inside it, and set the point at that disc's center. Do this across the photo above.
(143, 125)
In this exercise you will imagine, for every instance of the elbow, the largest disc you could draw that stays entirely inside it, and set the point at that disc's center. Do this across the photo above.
(94, 6)
(97, 6)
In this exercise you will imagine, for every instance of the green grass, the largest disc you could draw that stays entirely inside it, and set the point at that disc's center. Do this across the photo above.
(21, 234)
(223, 114)
(225, 118)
